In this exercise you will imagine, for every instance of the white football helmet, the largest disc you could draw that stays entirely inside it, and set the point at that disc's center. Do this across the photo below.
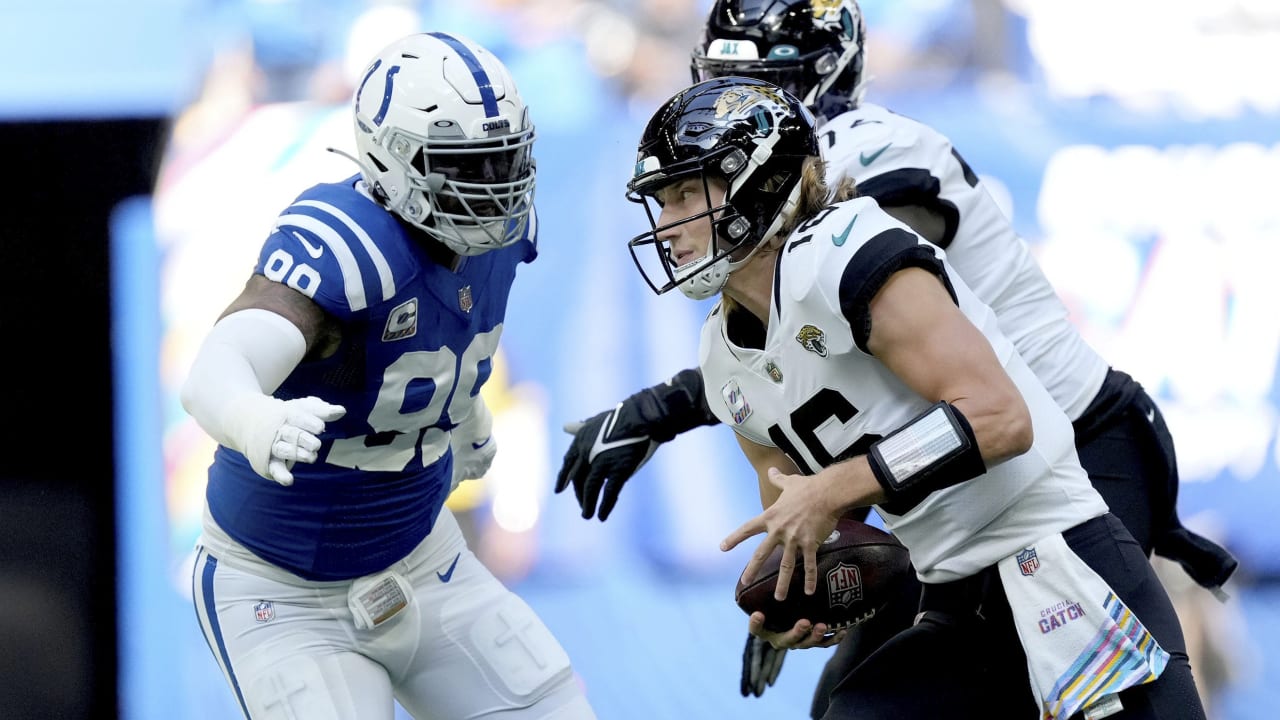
(444, 140)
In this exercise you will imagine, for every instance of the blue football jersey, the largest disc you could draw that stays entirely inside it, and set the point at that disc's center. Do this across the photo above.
(417, 344)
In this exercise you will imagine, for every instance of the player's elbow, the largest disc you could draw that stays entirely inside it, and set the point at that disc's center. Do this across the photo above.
(1013, 430)
(1021, 432)
(1005, 429)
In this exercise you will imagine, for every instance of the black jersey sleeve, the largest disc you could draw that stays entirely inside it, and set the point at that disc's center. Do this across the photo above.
(914, 187)
(872, 265)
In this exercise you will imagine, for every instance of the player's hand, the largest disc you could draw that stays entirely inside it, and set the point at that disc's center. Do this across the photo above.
(473, 445)
(607, 449)
(761, 663)
(801, 636)
(286, 432)
(799, 520)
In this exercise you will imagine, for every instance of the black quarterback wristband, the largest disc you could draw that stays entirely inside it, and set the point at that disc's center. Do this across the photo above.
(935, 450)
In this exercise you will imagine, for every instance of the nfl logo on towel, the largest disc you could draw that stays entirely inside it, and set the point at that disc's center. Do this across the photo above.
(264, 611)
(1028, 563)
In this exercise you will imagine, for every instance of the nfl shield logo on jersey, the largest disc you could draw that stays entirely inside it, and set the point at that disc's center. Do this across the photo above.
(736, 402)
(464, 299)
(844, 585)
(264, 611)
(1028, 563)
(775, 372)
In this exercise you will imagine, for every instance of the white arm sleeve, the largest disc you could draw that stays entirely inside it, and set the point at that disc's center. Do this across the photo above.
(242, 361)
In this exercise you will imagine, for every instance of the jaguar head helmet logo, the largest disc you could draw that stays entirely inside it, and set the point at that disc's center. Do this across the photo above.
(735, 100)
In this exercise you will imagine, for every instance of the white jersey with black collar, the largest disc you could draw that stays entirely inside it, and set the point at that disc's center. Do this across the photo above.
(815, 392)
(899, 161)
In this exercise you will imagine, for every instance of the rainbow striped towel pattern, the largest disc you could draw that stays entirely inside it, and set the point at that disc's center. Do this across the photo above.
(1082, 642)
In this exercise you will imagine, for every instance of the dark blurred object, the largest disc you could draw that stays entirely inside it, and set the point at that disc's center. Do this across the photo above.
(57, 545)
(50, 648)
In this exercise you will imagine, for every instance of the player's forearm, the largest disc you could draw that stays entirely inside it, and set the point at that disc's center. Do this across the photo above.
(245, 357)
(851, 484)
(671, 408)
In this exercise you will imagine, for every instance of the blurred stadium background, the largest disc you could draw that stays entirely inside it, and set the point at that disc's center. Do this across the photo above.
(1135, 144)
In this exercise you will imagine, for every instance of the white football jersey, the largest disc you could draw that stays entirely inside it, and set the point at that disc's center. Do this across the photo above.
(816, 393)
(899, 161)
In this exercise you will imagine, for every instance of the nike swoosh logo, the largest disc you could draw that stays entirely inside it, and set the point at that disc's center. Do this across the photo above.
(606, 428)
(316, 251)
(838, 240)
(477, 446)
(1151, 416)
(866, 159)
(447, 575)
(863, 121)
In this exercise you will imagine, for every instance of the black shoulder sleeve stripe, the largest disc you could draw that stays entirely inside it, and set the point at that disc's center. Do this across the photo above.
(777, 283)
(872, 265)
(914, 186)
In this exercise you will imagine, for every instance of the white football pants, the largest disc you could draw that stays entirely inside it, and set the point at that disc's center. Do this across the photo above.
(464, 647)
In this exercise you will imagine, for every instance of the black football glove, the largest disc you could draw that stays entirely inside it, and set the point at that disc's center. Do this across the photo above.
(761, 663)
(606, 450)
(609, 447)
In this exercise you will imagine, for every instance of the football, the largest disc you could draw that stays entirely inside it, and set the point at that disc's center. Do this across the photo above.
(859, 570)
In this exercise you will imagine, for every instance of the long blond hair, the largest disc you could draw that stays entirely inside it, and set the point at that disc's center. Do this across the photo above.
(815, 196)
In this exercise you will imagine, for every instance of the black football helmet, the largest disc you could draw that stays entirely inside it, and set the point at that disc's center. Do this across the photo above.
(811, 48)
(754, 136)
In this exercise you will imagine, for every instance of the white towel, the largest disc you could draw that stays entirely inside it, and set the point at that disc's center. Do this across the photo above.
(1081, 641)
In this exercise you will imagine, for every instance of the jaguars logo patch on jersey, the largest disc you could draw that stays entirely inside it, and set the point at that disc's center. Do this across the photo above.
(812, 338)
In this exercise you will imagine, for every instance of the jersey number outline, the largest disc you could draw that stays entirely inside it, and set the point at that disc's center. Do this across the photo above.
(399, 434)
(282, 268)
(820, 408)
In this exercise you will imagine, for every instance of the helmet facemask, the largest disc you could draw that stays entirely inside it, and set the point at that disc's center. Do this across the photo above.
(471, 195)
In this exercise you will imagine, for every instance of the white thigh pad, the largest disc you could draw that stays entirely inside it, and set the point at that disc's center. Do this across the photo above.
(511, 641)
(342, 686)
